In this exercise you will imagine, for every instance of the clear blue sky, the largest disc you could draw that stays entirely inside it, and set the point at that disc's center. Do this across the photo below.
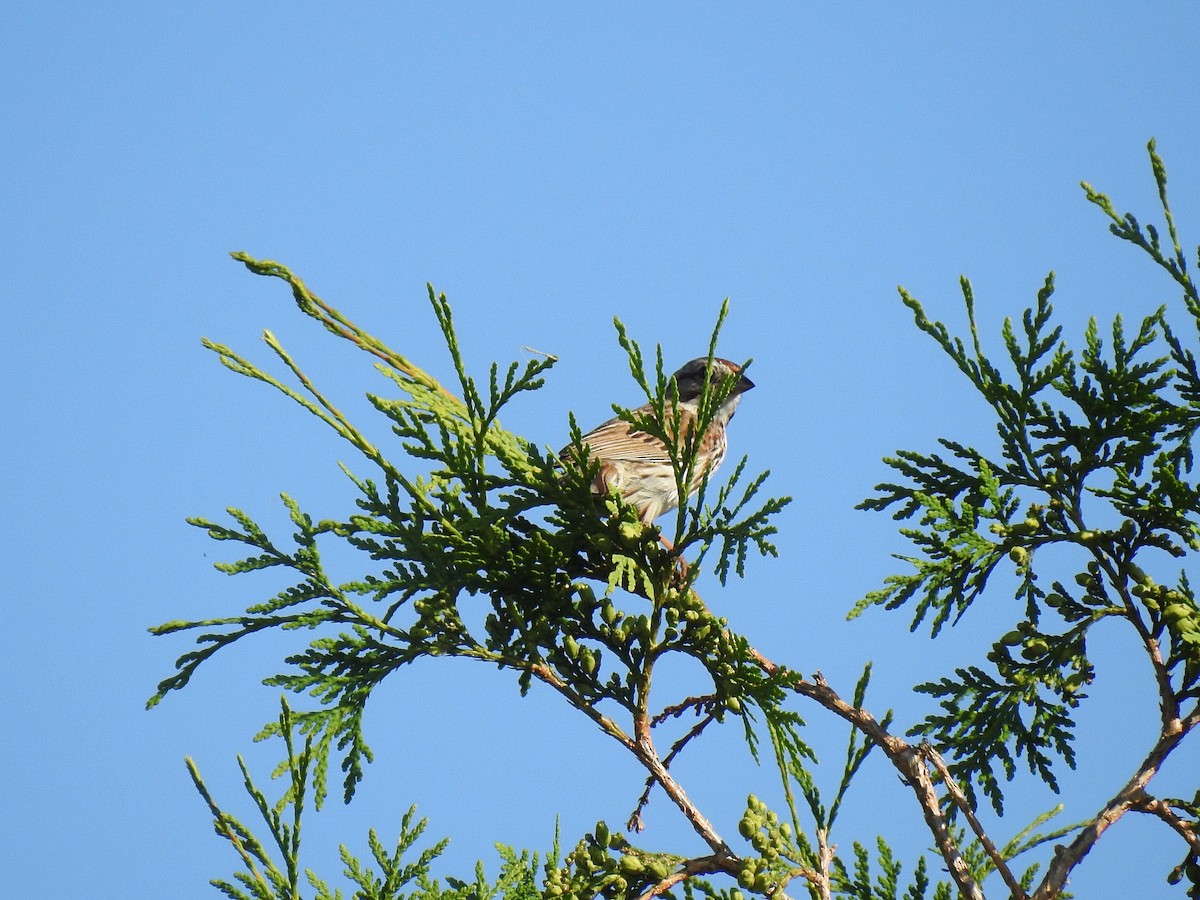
(549, 166)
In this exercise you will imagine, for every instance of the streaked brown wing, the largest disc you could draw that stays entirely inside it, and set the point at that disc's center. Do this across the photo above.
(615, 440)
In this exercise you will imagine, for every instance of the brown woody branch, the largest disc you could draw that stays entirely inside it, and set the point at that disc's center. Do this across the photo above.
(908, 760)
(1168, 702)
(642, 747)
(703, 865)
(1131, 796)
(821, 879)
(1162, 809)
(635, 818)
(964, 806)
(644, 750)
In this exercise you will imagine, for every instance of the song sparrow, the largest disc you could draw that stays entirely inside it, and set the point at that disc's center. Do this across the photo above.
(637, 464)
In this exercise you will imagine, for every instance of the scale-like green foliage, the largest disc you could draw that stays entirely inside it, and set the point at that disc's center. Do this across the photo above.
(481, 545)
(477, 544)
(1095, 446)
(393, 876)
(493, 525)
(857, 884)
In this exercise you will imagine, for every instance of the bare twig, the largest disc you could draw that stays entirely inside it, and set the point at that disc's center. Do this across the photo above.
(703, 865)
(964, 806)
(1069, 856)
(1153, 806)
(674, 711)
(1168, 702)
(644, 750)
(548, 676)
(635, 818)
(825, 851)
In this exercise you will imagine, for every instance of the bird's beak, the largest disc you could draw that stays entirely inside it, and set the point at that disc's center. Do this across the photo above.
(743, 384)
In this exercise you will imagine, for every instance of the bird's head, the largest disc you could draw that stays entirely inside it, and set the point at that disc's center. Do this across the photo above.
(691, 377)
